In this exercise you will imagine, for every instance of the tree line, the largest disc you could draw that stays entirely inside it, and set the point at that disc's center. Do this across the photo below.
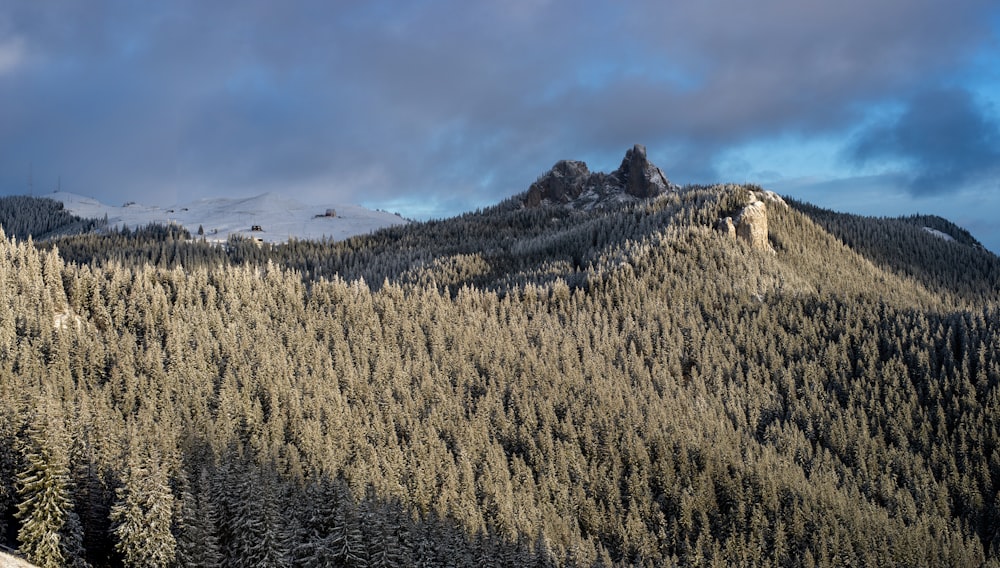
(40, 218)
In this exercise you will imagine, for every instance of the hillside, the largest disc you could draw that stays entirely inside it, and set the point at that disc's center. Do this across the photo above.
(277, 218)
(628, 384)
(8, 561)
(952, 263)
(41, 218)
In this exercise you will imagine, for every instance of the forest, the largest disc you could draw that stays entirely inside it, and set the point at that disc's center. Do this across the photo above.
(511, 387)
(40, 218)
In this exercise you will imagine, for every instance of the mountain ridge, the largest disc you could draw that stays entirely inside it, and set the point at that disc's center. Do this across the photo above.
(277, 217)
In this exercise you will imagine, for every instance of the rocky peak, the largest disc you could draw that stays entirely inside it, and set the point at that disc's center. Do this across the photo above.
(639, 176)
(563, 183)
(570, 182)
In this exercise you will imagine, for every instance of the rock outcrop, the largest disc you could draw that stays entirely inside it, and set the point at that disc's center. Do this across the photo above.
(570, 182)
(639, 176)
(750, 223)
(726, 227)
(751, 226)
(566, 181)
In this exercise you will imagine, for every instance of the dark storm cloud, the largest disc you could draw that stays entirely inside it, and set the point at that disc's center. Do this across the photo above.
(943, 139)
(453, 102)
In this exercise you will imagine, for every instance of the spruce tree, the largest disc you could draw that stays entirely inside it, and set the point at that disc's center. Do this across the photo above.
(8, 469)
(142, 514)
(195, 526)
(348, 541)
(50, 533)
(253, 533)
(316, 546)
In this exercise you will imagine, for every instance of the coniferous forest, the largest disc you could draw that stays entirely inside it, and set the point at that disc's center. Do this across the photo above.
(511, 387)
(22, 216)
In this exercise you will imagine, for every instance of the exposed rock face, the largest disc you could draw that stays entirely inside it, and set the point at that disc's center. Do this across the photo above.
(570, 182)
(939, 234)
(771, 196)
(751, 226)
(563, 183)
(726, 227)
(640, 177)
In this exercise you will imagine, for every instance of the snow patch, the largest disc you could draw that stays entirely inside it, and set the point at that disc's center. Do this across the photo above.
(767, 195)
(939, 234)
(66, 318)
(278, 217)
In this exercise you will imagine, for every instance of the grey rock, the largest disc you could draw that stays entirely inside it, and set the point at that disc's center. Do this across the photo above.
(641, 178)
(563, 183)
(571, 183)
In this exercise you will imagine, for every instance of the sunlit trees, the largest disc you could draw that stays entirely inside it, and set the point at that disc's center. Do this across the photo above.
(50, 533)
(521, 387)
(143, 512)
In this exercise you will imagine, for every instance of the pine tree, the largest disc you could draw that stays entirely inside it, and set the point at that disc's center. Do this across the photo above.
(142, 513)
(50, 533)
(195, 526)
(348, 542)
(254, 533)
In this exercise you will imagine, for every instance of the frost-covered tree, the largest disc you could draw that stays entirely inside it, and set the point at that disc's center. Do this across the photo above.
(50, 533)
(195, 526)
(8, 467)
(143, 512)
(349, 540)
(253, 532)
(318, 532)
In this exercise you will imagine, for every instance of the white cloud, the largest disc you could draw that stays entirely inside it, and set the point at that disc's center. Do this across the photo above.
(12, 54)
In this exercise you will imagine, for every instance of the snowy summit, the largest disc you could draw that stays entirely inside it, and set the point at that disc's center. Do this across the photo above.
(270, 217)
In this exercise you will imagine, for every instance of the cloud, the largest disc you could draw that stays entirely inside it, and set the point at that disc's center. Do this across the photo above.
(457, 102)
(12, 54)
(944, 140)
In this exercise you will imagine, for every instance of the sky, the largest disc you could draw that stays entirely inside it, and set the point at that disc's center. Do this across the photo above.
(432, 108)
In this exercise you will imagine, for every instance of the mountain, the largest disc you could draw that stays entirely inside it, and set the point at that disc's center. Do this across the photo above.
(277, 218)
(39, 218)
(628, 383)
(571, 183)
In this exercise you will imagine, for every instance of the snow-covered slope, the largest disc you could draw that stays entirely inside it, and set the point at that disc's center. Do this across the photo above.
(939, 234)
(9, 561)
(279, 217)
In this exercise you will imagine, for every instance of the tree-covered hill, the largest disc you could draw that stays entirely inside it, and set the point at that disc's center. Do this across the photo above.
(511, 387)
(40, 218)
(949, 262)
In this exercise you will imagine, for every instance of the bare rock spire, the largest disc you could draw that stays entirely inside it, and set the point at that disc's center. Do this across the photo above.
(640, 177)
(751, 226)
(570, 182)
